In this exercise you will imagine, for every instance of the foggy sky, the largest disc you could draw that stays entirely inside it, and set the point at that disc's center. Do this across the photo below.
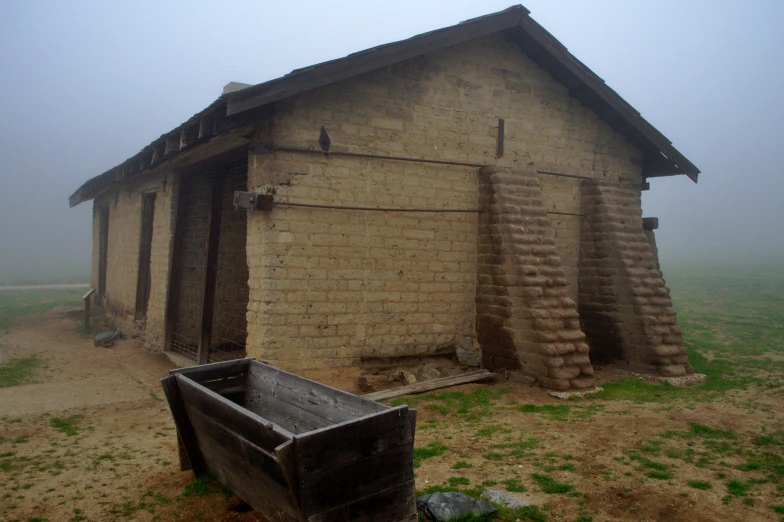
(87, 84)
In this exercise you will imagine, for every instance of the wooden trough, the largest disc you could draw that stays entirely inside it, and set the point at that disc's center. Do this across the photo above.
(292, 448)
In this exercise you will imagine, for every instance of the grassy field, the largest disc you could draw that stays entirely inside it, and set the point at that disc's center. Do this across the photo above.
(638, 450)
(15, 304)
(733, 323)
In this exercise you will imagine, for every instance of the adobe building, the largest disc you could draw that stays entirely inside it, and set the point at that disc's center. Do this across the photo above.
(475, 186)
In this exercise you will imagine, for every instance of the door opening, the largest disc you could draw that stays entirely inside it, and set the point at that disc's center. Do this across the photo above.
(103, 250)
(144, 280)
(208, 296)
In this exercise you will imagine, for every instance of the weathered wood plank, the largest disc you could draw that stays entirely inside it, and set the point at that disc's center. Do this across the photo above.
(342, 484)
(287, 456)
(185, 464)
(210, 433)
(292, 418)
(340, 444)
(249, 471)
(184, 427)
(212, 371)
(210, 269)
(319, 399)
(220, 385)
(260, 431)
(393, 504)
(434, 384)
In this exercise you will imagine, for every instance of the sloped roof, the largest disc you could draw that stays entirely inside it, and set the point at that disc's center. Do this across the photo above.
(230, 110)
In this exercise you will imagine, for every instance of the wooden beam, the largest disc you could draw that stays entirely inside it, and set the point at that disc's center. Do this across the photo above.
(210, 270)
(184, 427)
(434, 384)
(172, 144)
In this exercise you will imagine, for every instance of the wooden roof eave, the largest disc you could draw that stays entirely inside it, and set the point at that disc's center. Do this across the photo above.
(660, 157)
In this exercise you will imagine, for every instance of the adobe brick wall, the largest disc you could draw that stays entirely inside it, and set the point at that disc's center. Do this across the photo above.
(625, 307)
(525, 320)
(125, 209)
(330, 287)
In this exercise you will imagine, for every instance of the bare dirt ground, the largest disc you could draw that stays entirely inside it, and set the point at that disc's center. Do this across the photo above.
(91, 438)
(114, 455)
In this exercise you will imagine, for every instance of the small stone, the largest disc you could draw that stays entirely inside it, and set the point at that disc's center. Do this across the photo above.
(442, 507)
(427, 373)
(503, 498)
(106, 339)
(371, 383)
(466, 353)
(404, 377)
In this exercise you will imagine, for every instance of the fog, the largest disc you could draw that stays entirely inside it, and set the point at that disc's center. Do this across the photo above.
(86, 84)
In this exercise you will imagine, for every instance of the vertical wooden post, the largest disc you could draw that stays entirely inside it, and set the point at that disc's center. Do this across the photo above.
(208, 294)
(86, 299)
(87, 314)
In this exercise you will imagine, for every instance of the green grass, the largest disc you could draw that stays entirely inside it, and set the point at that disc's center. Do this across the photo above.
(461, 464)
(738, 488)
(514, 486)
(728, 318)
(69, 426)
(473, 405)
(551, 486)
(15, 304)
(458, 481)
(561, 412)
(19, 370)
(198, 487)
(434, 449)
(699, 484)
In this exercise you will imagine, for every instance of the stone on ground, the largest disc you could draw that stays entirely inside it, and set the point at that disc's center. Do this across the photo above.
(445, 506)
(106, 339)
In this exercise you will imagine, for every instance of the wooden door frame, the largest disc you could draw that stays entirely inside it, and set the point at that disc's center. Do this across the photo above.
(103, 250)
(207, 304)
(144, 265)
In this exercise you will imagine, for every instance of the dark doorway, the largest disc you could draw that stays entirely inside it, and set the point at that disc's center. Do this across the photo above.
(208, 296)
(143, 281)
(103, 250)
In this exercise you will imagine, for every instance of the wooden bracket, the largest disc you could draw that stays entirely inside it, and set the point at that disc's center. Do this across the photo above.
(650, 223)
(252, 201)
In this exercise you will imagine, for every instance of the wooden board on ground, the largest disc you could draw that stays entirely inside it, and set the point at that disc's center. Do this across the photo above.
(434, 384)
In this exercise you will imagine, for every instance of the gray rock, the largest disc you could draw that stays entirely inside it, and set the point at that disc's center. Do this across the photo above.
(404, 377)
(106, 339)
(467, 354)
(371, 383)
(427, 373)
(442, 507)
(503, 498)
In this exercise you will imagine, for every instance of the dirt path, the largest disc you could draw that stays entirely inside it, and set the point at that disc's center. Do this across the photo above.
(91, 438)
